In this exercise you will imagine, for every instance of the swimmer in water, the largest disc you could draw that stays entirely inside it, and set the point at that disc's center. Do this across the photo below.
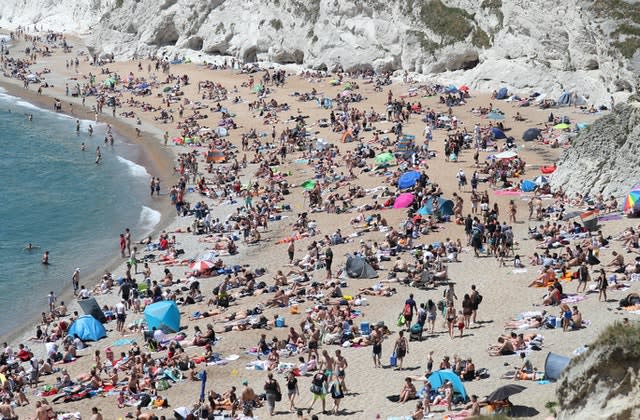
(31, 247)
(45, 258)
(83, 147)
(98, 155)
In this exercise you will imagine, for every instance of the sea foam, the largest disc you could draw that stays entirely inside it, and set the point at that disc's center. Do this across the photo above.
(134, 168)
(149, 218)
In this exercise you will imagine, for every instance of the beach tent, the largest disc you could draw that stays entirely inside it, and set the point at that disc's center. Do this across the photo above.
(408, 179)
(385, 158)
(403, 201)
(506, 155)
(221, 131)
(451, 89)
(445, 206)
(308, 185)
(497, 133)
(437, 378)
(502, 93)
(495, 116)
(590, 220)
(357, 267)
(531, 134)
(163, 315)
(632, 200)
(215, 156)
(87, 328)
(347, 136)
(554, 364)
(527, 186)
(257, 88)
(564, 99)
(541, 180)
(91, 307)
(464, 88)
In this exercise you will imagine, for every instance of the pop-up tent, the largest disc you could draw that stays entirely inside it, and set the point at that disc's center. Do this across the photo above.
(87, 328)
(497, 133)
(554, 364)
(527, 186)
(408, 179)
(531, 134)
(437, 378)
(357, 267)
(502, 93)
(91, 307)
(445, 206)
(163, 315)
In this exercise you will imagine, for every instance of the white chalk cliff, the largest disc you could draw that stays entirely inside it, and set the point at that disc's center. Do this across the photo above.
(590, 47)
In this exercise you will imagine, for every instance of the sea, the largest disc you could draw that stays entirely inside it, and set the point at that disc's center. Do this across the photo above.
(54, 196)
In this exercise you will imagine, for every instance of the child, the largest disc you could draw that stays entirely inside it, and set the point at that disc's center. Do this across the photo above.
(460, 322)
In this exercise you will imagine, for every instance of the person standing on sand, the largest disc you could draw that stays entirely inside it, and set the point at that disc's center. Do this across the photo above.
(152, 185)
(123, 245)
(513, 209)
(291, 251)
(127, 238)
(158, 186)
(401, 348)
(376, 340)
(121, 315)
(328, 260)
(75, 281)
(6, 410)
(248, 399)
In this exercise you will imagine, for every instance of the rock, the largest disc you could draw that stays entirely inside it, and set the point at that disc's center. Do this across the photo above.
(603, 382)
(537, 45)
(605, 158)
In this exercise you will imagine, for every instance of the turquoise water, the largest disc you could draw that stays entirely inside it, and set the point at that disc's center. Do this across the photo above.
(55, 196)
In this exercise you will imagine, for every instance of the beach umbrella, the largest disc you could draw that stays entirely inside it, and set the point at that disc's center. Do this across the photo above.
(408, 179)
(527, 186)
(632, 199)
(451, 89)
(444, 118)
(201, 266)
(221, 131)
(497, 133)
(504, 392)
(541, 180)
(385, 157)
(506, 155)
(464, 88)
(496, 116)
(309, 184)
(561, 126)
(403, 201)
(203, 384)
(531, 134)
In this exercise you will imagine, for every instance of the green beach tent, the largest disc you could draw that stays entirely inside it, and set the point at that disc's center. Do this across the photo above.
(385, 158)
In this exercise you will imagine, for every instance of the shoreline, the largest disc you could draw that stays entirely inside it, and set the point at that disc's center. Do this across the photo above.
(155, 158)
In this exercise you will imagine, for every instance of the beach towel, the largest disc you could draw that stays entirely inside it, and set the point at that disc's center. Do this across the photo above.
(574, 299)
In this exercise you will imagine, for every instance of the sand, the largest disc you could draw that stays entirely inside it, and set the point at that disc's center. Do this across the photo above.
(505, 293)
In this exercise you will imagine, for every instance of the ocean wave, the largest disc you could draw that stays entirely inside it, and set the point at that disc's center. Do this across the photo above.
(148, 219)
(134, 168)
(29, 105)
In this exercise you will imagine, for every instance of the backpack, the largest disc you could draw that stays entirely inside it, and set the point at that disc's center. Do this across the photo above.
(407, 310)
(478, 298)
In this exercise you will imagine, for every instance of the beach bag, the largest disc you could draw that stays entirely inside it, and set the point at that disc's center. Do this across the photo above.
(316, 389)
(478, 298)
(393, 360)
(401, 320)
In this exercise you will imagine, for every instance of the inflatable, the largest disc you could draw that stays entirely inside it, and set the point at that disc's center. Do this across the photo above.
(548, 169)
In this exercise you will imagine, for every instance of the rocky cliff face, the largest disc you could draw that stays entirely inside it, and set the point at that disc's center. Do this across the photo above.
(606, 157)
(591, 47)
(603, 383)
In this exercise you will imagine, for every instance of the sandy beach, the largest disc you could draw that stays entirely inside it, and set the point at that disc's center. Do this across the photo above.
(502, 286)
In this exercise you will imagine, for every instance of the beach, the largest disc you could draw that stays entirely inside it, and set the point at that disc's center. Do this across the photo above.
(504, 288)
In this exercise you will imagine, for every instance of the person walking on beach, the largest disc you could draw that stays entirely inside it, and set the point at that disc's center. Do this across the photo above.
(407, 312)
(603, 283)
(513, 209)
(158, 186)
(291, 251)
(75, 281)
(401, 348)
(152, 185)
(272, 392)
(376, 341)
(341, 366)
(121, 315)
(133, 259)
(328, 260)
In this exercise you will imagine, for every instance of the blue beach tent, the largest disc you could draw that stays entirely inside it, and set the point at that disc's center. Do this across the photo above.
(163, 315)
(446, 207)
(502, 93)
(87, 328)
(437, 378)
(408, 179)
(527, 186)
(497, 133)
